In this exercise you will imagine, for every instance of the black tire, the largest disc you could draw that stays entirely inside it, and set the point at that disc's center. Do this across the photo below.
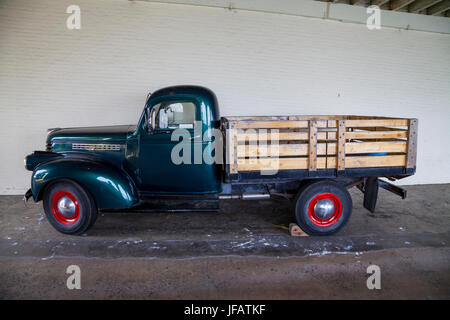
(84, 206)
(310, 194)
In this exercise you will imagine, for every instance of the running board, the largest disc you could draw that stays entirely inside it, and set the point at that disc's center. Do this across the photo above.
(177, 203)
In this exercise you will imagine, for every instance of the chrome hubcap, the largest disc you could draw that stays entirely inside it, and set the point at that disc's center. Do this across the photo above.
(66, 207)
(324, 209)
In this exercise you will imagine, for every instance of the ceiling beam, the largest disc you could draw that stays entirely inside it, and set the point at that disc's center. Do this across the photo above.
(439, 7)
(378, 2)
(398, 4)
(420, 5)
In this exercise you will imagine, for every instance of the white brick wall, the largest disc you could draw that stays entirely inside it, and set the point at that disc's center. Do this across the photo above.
(257, 63)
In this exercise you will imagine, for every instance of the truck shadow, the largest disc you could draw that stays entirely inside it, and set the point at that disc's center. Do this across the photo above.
(235, 217)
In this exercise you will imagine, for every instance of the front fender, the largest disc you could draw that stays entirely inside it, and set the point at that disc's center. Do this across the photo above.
(110, 186)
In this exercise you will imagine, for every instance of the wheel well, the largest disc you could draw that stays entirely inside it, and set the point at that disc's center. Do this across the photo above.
(57, 180)
(304, 183)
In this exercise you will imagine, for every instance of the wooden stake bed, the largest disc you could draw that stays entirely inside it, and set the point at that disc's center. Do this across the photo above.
(318, 142)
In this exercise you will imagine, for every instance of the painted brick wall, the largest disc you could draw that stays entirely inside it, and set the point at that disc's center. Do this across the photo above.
(257, 63)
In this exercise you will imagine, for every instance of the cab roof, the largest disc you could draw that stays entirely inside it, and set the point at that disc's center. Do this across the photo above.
(202, 93)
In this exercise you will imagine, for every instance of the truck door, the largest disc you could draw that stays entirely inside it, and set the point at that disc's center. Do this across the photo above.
(158, 172)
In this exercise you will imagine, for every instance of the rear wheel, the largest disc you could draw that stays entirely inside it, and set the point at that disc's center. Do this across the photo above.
(69, 208)
(323, 207)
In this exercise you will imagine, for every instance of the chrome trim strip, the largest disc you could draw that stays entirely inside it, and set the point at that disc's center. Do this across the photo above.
(96, 146)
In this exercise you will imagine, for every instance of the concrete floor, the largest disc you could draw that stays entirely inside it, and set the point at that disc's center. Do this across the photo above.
(239, 253)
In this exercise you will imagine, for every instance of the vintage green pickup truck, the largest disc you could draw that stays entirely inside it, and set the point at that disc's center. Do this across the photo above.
(182, 156)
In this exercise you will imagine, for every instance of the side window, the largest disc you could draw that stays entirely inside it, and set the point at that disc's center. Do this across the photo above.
(174, 115)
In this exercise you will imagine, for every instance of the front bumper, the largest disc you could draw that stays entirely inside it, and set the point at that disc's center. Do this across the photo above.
(27, 196)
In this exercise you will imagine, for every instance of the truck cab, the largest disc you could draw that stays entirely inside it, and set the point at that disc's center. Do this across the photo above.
(175, 120)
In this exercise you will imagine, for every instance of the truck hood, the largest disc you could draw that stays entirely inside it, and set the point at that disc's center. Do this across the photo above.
(92, 134)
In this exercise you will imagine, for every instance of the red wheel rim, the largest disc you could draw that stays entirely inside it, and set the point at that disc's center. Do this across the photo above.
(336, 211)
(63, 217)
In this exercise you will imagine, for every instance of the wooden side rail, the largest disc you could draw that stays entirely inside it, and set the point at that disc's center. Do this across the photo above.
(327, 142)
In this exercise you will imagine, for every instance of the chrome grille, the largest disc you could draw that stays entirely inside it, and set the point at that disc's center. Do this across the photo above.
(96, 146)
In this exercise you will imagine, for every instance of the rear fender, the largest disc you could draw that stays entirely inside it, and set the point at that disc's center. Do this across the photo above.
(110, 186)
(371, 193)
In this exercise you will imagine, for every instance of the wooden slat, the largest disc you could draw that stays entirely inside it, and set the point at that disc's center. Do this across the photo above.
(283, 136)
(375, 161)
(369, 147)
(412, 143)
(304, 117)
(330, 135)
(376, 134)
(281, 164)
(341, 144)
(377, 123)
(323, 162)
(378, 129)
(313, 145)
(302, 149)
(228, 150)
(283, 150)
(232, 147)
(272, 124)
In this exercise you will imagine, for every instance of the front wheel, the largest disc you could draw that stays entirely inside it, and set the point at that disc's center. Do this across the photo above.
(323, 207)
(69, 208)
